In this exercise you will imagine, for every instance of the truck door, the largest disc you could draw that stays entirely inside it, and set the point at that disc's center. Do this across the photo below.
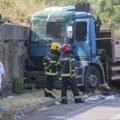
(81, 44)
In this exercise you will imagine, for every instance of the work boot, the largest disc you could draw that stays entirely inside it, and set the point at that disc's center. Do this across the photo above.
(64, 101)
(52, 96)
(46, 94)
(79, 100)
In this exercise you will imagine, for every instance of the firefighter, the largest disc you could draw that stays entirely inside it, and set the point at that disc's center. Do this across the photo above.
(68, 74)
(51, 66)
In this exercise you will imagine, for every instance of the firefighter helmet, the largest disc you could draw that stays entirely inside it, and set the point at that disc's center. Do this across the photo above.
(66, 48)
(55, 46)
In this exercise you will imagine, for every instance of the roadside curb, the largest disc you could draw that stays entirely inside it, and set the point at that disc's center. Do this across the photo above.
(32, 108)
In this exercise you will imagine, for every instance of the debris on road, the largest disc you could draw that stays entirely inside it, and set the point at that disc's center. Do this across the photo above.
(57, 103)
(111, 97)
(106, 96)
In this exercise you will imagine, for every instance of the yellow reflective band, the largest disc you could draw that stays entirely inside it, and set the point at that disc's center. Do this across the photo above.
(64, 97)
(72, 70)
(52, 74)
(58, 62)
(48, 91)
(76, 97)
(52, 61)
(72, 60)
(65, 75)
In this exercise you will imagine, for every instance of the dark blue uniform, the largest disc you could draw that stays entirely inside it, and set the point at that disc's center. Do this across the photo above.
(68, 78)
(51, 66)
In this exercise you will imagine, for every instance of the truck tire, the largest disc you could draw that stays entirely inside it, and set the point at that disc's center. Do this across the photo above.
(91, 79)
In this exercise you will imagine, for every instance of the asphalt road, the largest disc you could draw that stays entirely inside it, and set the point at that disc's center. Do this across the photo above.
(97, 110)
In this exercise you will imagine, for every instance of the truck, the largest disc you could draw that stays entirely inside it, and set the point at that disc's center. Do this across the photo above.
(97, 56)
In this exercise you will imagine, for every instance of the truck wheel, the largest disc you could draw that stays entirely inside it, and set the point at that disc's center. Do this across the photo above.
(91, 79)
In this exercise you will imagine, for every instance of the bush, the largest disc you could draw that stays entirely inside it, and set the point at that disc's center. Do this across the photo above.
(18, 85)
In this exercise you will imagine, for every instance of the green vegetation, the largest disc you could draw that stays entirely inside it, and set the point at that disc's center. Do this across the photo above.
(18, 85)
(20, 11)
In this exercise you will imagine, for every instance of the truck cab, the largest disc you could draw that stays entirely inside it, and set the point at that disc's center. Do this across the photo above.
(65, 25)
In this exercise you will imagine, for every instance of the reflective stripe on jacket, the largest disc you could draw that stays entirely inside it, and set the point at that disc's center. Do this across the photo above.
(67, 64)
(51, 63)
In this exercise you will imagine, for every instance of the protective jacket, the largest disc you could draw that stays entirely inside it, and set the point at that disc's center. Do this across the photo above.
(67, 62)
(51, 63)
(67, 68)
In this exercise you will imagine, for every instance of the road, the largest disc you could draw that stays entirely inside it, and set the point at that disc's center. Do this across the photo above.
(99, 110)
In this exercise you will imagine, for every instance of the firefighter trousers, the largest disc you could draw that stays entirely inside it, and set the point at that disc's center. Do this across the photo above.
(49, 84)
(67, 81)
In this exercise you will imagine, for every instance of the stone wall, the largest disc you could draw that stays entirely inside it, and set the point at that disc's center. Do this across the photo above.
(13, 51)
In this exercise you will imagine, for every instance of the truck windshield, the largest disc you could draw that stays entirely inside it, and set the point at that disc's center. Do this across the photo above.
(42, 31)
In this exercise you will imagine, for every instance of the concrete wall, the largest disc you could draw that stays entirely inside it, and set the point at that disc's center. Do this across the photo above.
(13, 51)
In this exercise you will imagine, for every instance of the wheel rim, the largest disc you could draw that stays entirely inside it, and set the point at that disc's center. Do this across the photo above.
(92, 80)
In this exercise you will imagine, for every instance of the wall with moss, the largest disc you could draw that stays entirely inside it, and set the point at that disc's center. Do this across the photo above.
(13, 52)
